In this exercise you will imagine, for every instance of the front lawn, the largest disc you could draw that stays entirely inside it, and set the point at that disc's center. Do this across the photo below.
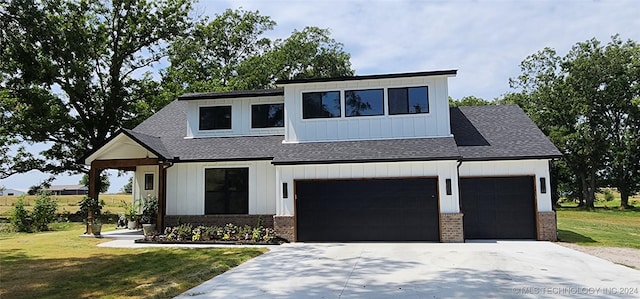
(60, 264)
(601, 227)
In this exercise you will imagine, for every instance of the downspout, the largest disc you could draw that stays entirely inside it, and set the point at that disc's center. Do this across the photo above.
(458, 175)
(161, 216)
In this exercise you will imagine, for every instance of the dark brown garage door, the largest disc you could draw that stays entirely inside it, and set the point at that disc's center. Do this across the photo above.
(367, 210)
(498, 208)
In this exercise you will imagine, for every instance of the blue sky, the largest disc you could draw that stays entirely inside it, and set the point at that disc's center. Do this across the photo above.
(484, 40)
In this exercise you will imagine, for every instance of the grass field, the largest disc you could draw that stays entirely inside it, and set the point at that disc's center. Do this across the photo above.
(67, 203)
(61, 264)
(607, 225)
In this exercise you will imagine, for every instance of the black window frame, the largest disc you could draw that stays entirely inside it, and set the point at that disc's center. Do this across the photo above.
(306, 112)
(356, 110)
(267, 122)
(225, 200)
(148, 181)
(217, 123)
(392, 111)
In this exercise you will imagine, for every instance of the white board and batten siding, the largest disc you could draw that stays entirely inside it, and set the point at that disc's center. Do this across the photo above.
(432, 124)
(536, 168)
(185, 186)
(240, 117)
(437, 169)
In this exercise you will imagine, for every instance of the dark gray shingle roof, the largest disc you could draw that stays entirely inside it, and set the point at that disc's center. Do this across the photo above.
(416, 149)
(498, 132)
(153, 143)
(480, 133)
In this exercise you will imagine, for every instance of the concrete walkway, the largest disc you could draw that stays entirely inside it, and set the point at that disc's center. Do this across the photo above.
(503, 269)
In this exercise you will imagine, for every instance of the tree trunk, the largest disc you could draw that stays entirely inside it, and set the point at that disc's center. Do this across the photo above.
(585, 193)
(591, 192)
(624, 198)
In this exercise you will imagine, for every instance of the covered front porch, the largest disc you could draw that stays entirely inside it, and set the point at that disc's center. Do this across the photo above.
(126, 151)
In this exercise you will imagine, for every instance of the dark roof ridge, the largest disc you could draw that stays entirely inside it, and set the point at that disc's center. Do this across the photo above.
(369, 77)
(232, 94)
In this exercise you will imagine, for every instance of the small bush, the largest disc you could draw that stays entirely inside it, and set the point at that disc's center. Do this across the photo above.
(20, 218)
(608, 195)
(44, 212)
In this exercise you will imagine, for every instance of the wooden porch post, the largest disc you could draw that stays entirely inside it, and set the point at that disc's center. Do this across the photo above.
(162, 197)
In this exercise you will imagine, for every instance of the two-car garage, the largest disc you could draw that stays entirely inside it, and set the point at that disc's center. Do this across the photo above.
(406, 209)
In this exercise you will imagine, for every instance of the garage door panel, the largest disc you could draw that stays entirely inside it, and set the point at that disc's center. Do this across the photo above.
(498, 208)
(367, 210)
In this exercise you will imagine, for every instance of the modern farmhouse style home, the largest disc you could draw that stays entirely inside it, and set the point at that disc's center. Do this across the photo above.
(362, 158)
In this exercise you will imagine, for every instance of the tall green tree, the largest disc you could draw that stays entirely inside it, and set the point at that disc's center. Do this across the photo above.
(68, 73)
(103, 185)
(584, 101)
(231, 52)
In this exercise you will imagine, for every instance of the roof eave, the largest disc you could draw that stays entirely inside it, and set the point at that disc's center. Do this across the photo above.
(452, 158)
(369, 77)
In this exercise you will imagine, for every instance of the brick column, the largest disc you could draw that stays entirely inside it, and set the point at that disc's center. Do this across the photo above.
(451, 228)
(547, 227)
(284, 227)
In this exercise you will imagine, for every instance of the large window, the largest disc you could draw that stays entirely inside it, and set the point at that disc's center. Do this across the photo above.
(364, 102)
(408, 100)
(226, 191)
(267, 115)
(321, 104)
(215, 118)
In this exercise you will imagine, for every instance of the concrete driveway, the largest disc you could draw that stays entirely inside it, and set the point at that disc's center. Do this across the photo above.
(502, 269)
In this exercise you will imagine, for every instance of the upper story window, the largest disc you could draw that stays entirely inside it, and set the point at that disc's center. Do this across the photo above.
(408, 100)
(215, 118)
(364, 102)
(267, 115)
(321, 104)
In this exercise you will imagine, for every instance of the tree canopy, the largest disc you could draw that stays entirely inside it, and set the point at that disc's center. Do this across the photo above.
(231, 52)
(68, 73)
(72, 72)
(588, 103)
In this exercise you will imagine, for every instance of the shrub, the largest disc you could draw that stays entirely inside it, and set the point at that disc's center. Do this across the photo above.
(608, 195)
(20, 218)
(229, 232)
(44, 211)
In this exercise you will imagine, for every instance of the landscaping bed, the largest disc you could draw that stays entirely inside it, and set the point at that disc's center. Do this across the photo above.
(228, 234)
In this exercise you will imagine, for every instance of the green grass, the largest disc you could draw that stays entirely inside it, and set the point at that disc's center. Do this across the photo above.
(66, 203)
(600, 227)
(61, 264)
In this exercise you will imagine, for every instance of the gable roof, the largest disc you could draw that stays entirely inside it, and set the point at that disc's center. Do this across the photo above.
(495, 132)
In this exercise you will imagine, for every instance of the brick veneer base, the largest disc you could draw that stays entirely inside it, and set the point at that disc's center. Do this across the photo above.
(451, 228)
(219, 220)
(547, 227)
(284, 227)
